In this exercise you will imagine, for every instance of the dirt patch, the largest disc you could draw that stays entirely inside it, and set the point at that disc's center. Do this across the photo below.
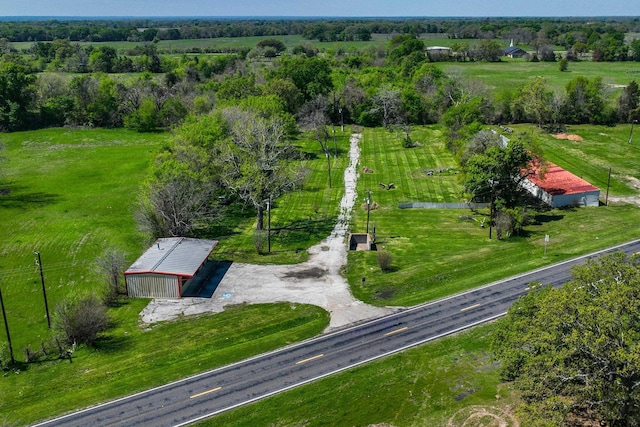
(634, 200)
(570, 137)
(485, 416)
(310, 273)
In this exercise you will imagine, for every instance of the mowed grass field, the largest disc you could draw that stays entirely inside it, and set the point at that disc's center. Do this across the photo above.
(437, 252)
(510, 73)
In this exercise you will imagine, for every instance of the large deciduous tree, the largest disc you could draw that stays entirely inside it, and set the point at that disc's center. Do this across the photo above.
(16, 96)
(255, 160)
(493, 173)
(312, 76)
(574, 352)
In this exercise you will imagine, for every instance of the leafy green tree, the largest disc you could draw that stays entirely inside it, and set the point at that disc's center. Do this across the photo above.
(276, 44)
(586, 101)
(312, 76)
(237, 87)
(403, 46)
(145, 118)
(102, 59)
(635, 50)
(287, 91)
(487, 50)
(16, 96)
(628, 103)
(494, 174)
(179, 199)
(574, 352)
(563, 65)
(535, 99)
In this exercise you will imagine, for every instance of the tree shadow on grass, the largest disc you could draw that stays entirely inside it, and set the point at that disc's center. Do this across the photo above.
(304, 230)
(546, 217)
(18, 198)
(112, 344)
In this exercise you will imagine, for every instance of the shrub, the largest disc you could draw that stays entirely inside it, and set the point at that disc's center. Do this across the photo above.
(81, 319)
(260, 241)
(384, 260)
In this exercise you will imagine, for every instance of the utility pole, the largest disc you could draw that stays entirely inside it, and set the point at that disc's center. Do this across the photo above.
(606, 199)
(492, 183)
(368, 207)
(631, 131)
(269, 225)
(44, 290)
(6, 327)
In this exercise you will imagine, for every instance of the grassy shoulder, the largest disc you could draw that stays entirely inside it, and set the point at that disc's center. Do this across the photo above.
(434, 384)
(132, 358)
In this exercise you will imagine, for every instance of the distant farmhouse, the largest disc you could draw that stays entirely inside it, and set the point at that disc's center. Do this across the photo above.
(438, 53)
(514, 51)
(558, 187)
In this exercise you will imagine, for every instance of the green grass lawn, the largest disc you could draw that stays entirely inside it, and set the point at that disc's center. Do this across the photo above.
(508, 73)
(69, 195)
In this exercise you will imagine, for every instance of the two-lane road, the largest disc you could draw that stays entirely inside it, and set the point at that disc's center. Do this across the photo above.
(201, 396)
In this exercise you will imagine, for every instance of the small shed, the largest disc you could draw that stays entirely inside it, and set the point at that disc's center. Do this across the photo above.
(558, 187)
(167, 267)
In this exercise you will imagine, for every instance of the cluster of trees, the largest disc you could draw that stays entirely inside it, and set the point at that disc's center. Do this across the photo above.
(398, 87)
(574, 352)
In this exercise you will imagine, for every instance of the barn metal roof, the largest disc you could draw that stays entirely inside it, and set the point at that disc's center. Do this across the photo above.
(559, 181)
(179, 256)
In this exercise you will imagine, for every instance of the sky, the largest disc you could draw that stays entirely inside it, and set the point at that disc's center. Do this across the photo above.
(324, 8)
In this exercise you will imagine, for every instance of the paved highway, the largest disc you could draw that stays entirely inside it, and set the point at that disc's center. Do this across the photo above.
(202, 396)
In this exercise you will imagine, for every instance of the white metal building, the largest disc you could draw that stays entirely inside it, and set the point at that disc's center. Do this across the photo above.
(559, 187)
(167, 267)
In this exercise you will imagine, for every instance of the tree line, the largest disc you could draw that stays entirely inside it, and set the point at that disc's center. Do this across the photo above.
(398, 86)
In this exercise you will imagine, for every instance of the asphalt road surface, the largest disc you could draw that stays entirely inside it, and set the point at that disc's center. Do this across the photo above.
(202, 396)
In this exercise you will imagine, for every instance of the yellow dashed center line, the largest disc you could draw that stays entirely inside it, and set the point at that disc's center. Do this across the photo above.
(309, 359)
(470, 307)
(396, 331)
(205, 392)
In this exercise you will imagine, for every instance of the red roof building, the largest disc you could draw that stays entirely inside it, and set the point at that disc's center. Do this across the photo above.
(558, 187)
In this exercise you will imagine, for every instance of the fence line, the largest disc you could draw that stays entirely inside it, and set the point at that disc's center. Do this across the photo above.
(430, 205)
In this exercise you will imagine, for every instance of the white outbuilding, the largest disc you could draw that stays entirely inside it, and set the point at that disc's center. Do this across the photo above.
(558, 187)
(167, 267)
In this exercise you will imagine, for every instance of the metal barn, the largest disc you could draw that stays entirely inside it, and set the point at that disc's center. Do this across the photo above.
(167, 267)
(559, 187)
